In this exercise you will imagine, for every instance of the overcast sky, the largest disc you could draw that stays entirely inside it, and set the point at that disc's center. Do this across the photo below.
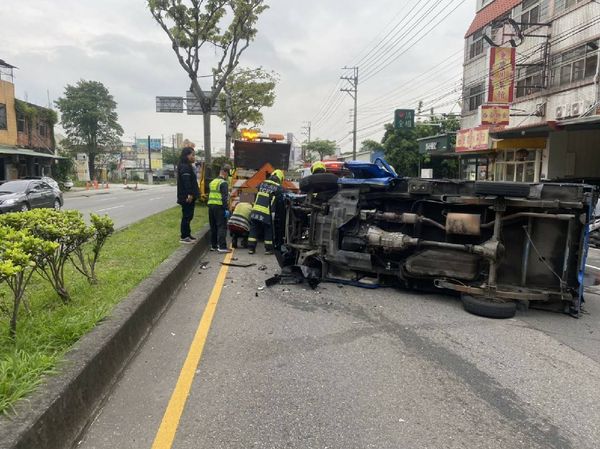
(54, 43)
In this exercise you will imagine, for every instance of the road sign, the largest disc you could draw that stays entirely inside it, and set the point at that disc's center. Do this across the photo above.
(194, 107)
(404, 118)
(169, 104)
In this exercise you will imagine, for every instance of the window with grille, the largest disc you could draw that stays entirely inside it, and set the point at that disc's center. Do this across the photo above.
(477, 44)
(530, 13)
(529, 80)
(475, 97)
(3, 121)
(575, 65)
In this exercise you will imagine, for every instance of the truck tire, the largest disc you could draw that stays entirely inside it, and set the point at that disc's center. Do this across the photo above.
(488, 308)
(514, 189)
(320, 182)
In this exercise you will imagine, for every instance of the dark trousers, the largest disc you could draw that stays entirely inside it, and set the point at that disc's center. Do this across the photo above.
(187, 215)
(256, 226)
(218, 227)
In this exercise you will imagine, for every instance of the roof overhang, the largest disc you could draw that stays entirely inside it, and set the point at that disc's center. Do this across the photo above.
(580, 123)
(4, 150)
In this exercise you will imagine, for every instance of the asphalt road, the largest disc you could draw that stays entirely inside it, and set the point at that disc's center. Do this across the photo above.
(124, 206)
(288, 367)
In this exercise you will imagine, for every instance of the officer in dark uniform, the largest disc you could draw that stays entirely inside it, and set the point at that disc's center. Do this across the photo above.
(269, 194)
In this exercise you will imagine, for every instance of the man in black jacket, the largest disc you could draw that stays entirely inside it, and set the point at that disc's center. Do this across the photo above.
(187, 192)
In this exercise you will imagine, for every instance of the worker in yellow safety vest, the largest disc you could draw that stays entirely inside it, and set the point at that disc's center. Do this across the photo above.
(239, 224)
(270, 193)
(318, 167)
(218, 212)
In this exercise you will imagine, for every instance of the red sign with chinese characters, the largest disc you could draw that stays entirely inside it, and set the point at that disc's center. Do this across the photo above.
(474, 139)
(502, 75)
(495, 114)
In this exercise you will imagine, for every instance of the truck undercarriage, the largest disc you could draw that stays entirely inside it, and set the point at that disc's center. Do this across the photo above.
(494, 243)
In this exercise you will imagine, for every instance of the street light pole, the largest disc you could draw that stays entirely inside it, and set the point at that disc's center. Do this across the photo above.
(353, 92)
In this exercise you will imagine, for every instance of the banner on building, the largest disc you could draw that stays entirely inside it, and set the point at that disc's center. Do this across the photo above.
(495, 114)
(474, 139)
(502, 75)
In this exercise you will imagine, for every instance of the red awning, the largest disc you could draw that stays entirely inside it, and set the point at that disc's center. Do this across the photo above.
(490, 13)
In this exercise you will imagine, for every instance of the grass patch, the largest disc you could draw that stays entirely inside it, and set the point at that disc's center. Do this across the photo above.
(45, 335)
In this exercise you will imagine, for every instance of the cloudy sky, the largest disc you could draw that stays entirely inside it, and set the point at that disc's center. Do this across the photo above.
(407, 51)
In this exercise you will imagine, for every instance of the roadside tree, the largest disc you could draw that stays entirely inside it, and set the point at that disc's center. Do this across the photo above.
(320, 147)
(215, 30)
(246, 92)
(89, 117)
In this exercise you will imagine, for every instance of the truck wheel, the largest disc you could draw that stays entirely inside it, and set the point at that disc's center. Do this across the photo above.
(489, 308)
(320, 182)
(514, 189)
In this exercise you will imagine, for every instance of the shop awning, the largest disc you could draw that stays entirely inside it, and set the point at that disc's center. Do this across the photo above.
(527, 131)
(518, 143)
(581, 123)
(23, 152)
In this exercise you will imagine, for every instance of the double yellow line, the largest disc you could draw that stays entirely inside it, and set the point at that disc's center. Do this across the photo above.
(170, 422)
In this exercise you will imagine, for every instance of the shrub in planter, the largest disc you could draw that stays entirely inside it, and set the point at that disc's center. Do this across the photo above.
(86, 256)
(64, 228)
(20, 254)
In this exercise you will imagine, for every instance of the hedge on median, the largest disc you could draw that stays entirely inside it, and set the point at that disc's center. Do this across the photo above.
(44, 241)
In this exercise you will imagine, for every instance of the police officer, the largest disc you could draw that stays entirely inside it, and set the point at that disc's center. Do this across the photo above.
(218, 199)
(269, 193)
(318, 167)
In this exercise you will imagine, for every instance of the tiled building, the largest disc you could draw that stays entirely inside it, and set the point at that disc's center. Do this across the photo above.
(27, 146)
(535, 116)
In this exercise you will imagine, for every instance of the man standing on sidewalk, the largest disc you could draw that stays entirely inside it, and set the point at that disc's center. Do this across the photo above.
(218, 200)
(187, 192)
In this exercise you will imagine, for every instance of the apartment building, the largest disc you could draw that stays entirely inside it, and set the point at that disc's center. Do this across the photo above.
(531, 91)
(27, 146)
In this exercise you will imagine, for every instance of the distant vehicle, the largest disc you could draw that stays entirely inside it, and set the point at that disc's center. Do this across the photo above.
(23, 195)
(48, 180)
(68, 185)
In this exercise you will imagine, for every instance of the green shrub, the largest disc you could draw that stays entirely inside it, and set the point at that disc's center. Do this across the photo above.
(85, 259)
(64, 228)
(20, 254)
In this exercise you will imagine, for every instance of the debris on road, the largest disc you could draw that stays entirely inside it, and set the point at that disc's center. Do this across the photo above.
(238, 265)
(262, 268)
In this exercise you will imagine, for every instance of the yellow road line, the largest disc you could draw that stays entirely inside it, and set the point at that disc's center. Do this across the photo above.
(170, 422)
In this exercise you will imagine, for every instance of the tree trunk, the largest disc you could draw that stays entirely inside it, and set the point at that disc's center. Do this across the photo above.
(207, 147)
(92, 165)
(228, 137)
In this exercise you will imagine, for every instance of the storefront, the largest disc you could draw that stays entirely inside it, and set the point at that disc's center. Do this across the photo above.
(438, 158)
(475, 167)
(17, 163)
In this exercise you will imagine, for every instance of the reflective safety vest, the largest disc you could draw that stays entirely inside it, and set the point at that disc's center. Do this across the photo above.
(265, 197)
(214, 197)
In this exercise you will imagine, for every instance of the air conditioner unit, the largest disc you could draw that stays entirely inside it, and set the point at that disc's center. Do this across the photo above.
(577, 109)
(561, 112)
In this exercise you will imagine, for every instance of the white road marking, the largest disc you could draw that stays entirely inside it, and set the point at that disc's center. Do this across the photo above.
(111, 208)
(593, 267)
(156, 198)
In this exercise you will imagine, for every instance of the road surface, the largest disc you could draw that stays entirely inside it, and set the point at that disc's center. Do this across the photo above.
(235, 365)
(124, 206)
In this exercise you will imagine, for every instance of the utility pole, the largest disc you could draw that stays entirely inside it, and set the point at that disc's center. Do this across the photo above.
(306, 130)
(353, 92)
(149, 162)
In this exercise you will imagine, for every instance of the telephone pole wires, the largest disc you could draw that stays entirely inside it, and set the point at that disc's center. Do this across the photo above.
(352, 90)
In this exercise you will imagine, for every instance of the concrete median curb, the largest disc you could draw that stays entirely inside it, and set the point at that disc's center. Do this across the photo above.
(55, 415)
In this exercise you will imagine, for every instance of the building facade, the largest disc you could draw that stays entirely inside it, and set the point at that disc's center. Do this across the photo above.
(27, 146)
(533, 116)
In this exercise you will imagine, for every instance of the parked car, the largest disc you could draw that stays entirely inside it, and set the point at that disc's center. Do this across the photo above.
(47, 179)
(23, 195)
(494, 243)
(68, 184)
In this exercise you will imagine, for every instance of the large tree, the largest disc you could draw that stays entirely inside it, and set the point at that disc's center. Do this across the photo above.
(227, 26)
(401, 146)
(246, 92)
(89, 117)
(321, 147)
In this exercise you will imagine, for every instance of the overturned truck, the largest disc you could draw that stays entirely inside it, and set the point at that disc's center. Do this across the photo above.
(494, 243)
